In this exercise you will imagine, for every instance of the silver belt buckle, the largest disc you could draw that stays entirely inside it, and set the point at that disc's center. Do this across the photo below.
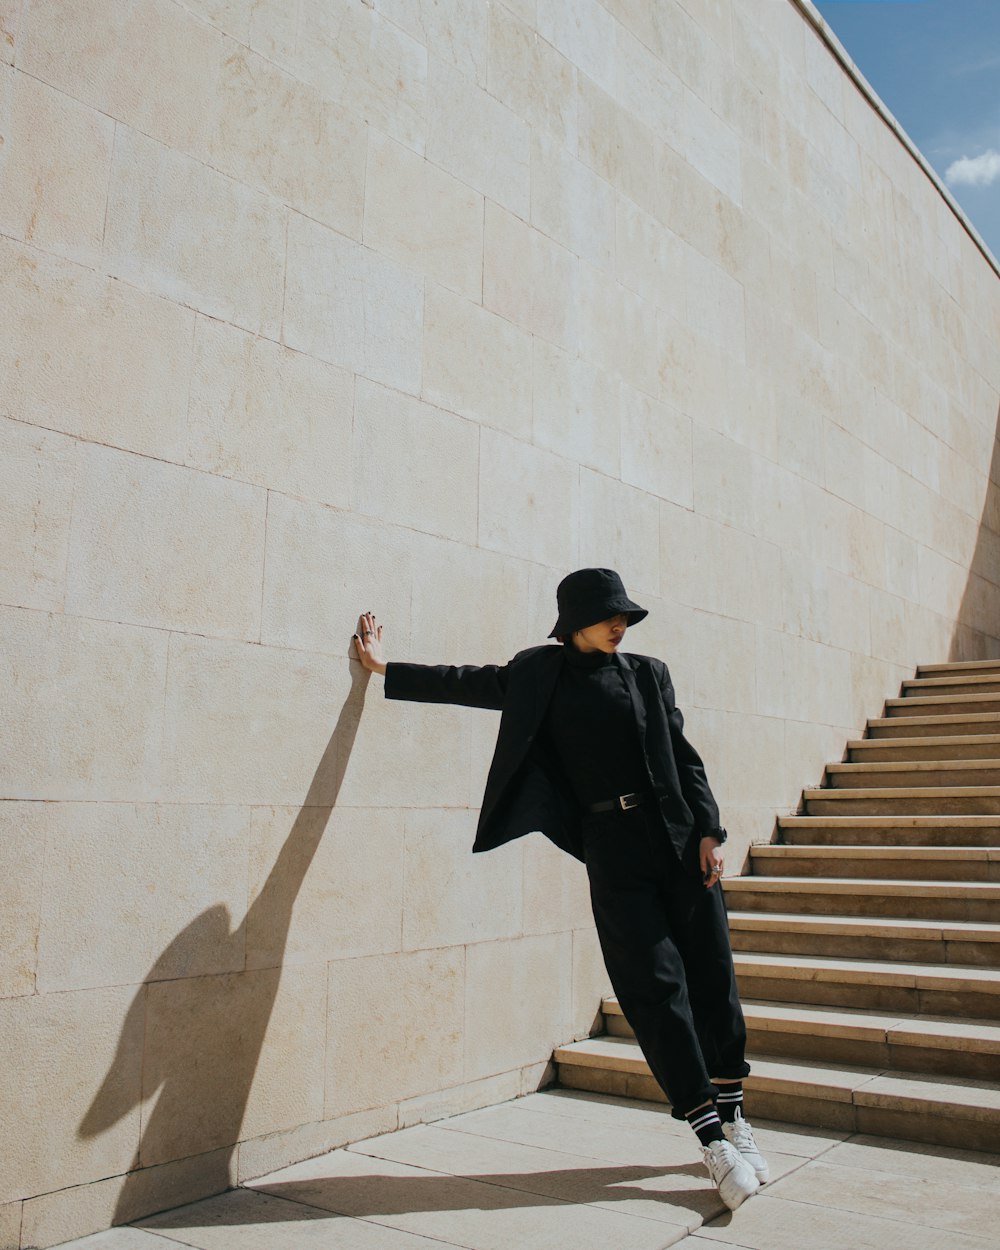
(624, 804)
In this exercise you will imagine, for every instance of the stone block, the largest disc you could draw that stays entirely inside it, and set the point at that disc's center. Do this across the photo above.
(262, 413)
(618, 146)
(423, 217)
(570, 203)
(536, 974)
(111, 388)
(749, 771)
(478, 139)
(656, 448)
(530, 280)
(273, 30)
(476, 363)
(325, 884)
(805, 597)
(452, 897)
(10, 12)
(255, 724)
(528, 501)
(289, 140)
(849, 624)
(233, 17)
(36, 489)
(160, 545)
(710, 146)
(323, 568)
(155, 237)
(711, 658)
(414, 465)
(626, 334)
(286, 1087)
(155, 67)
(83, 707)
(531, 77)
(585, 33)
(10, 1225)
(731, 591)
(231, 1055)
(471, 606)
(646, 85)
(351, 306)
(556, 889)
(650, 259)
(62, 1120)
(54, 176)
(620, 529)
(725, 474)
(578, 409)
(138, 892)
(409, 754)
(22, 859)
(456, 32)
(356, 57)
(405, 1012)
(591, 984)
(714, 305)
(277, 1150)
(471, 1096)
(53, 1218)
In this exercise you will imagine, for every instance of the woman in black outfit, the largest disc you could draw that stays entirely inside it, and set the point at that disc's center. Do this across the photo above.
(591, 751)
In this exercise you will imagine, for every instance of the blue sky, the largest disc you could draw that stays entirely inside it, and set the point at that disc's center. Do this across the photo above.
(936, 65)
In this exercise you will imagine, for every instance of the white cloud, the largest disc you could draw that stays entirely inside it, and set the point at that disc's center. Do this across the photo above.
(974, 171)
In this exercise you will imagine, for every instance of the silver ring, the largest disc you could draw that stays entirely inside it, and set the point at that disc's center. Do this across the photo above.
(368, 633)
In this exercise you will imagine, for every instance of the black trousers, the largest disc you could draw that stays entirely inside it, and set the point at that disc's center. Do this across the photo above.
(665, 940)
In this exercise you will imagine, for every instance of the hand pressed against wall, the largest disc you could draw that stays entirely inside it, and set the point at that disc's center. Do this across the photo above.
(368, 643)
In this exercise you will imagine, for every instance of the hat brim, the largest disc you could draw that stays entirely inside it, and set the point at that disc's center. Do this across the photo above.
(570, 623)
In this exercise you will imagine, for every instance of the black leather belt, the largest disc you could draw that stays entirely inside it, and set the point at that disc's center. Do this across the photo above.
(623, 803)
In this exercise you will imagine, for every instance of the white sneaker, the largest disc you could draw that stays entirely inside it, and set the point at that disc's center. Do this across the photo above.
(740, 1135)
(733, 1177)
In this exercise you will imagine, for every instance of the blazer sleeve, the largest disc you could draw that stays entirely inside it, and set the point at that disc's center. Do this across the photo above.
(690, 768)
(467, 684)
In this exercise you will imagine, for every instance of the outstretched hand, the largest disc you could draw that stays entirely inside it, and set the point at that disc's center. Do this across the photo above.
(710, 856)
(368, 643)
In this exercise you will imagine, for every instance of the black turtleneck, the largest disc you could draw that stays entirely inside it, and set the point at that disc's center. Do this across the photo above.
(590, 725)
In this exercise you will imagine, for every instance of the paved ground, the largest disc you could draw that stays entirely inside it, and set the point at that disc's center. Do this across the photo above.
(562, 1170)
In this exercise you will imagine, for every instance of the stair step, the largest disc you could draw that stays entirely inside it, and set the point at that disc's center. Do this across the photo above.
(958, 667)
(912, 774)
(952, 684)
(970, 901)
(904, 801)
(933, 726)
(873, 937)
(907, 863)
(942, 704)
(889, 830)
(947, 1112)
(916, 750)
(924, 989)
(946, 1046)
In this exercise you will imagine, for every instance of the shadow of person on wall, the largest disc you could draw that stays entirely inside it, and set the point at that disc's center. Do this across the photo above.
(977, 629)
(197, 1039)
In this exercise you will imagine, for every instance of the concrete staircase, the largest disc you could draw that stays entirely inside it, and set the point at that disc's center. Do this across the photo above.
(867, 938)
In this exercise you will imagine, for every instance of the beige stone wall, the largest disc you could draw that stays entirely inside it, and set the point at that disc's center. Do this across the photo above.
(415, 305)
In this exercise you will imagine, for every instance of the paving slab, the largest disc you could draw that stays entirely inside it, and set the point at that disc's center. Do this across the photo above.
(567, 1170)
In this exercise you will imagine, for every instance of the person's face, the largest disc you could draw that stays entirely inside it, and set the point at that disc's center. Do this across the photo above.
(604, 636)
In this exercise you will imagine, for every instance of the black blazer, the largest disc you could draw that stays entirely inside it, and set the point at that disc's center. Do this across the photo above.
(526, 789)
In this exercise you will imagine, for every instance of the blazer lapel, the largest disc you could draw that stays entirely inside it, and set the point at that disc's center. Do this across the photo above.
(638, 705)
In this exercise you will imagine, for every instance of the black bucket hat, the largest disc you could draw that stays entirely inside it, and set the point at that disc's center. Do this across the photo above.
(589, 596)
